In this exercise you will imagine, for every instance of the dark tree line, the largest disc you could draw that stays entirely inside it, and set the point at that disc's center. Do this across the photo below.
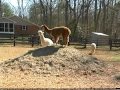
(81, 16)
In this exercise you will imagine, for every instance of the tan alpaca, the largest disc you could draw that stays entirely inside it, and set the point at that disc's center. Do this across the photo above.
(44, 41)
(93, 49)
(56, 32)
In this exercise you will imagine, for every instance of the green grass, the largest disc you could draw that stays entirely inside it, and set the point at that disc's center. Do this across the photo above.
(116, 58)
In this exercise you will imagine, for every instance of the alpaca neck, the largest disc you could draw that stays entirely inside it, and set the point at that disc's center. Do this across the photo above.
(47, 29)
(42, 38)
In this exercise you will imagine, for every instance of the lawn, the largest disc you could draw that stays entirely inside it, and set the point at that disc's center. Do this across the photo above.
(11, 52)
(102, 52)
(116, 58)
(33, 71)
(41, 69)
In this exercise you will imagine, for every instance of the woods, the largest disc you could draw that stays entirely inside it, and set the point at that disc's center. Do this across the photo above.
(81, 16)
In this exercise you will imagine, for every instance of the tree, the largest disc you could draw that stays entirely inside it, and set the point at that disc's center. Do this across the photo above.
(6, 9)
(95, 15)
(89, 15)
(66, 12)
(0, 9)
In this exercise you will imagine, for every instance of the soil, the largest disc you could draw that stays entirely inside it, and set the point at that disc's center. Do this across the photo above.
(57, 67)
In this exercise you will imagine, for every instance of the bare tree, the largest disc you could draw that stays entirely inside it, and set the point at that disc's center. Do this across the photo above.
(50, 9)
(66, 12)
(95, 15)
(90, 15)
(0, 8)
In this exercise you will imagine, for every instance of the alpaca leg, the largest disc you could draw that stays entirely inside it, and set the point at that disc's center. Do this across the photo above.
(65, 40)
(56, 40)
(92, 52)
(68, 41)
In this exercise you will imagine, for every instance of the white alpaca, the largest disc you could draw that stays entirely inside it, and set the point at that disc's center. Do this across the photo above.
(44, 41)
(93, 48)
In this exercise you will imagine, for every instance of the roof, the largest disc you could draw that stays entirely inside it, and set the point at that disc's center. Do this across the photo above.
(6, 20)
(21, 21)
(100, 34)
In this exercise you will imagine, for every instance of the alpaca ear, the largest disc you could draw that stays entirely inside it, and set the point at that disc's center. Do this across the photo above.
(39, 31)
(41, 26)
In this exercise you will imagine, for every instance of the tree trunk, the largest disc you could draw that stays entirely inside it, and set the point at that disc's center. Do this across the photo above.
(58, 14)
(43, 12)
(0, 8)
(75, 19)
(50, 21)
(98, 16)
(66, 12)
(95, 16)
(104, 17)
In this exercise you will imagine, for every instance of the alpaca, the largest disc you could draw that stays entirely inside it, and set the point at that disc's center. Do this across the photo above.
(56, 32)
(44, 41)
(93, 48)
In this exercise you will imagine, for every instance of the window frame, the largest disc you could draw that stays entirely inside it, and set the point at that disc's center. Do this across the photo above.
(7, 28)
(24, 27)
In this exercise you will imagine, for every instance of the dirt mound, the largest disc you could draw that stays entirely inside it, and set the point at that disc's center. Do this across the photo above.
(55, 60)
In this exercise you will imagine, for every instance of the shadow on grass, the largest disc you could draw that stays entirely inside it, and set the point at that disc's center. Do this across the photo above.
(117, 77)
(82, 47)
(44, 51)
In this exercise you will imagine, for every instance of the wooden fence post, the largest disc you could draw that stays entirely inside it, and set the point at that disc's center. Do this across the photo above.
(85, 42)
(14, 40)
(110, 42)
(32, 40)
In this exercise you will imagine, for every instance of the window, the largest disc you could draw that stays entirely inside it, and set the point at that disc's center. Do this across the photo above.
(11, 27)
(6, 27)
(1, 27)
(24, 27)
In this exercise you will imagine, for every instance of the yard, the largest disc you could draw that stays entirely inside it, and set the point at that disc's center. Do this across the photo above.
(15, 73)
(11, 52)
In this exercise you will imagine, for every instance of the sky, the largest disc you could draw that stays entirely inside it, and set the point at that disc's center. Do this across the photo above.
(14, 4)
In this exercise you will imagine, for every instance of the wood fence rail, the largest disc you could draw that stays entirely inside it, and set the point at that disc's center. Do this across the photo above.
(114, 43)
(11, 38)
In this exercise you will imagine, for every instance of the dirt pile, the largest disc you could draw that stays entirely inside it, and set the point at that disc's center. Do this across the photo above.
(55, 60)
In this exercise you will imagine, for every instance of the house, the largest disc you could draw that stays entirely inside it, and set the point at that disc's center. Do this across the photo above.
(24, 27)
(7, 26)
(18, 26)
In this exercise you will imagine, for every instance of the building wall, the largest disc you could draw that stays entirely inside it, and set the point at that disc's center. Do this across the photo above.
(31, 30)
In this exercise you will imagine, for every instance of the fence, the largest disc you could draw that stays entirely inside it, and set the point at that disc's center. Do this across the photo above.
(22, 39)
(33, 39)
(114, 43)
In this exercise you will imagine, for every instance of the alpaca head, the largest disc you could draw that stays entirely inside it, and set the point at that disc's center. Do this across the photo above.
(93, 45)
(42, 26)
(93, 48)
(40, 32)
